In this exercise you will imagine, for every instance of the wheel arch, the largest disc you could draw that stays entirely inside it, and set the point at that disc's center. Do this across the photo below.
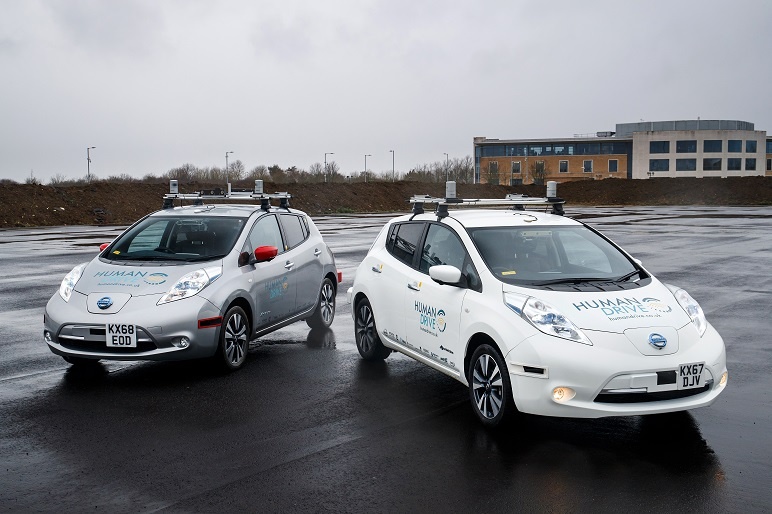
(477, 340)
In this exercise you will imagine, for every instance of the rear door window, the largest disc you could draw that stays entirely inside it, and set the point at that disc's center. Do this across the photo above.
(403, 240)
(293, 230)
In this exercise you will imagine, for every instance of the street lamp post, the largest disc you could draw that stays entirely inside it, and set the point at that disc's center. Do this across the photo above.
(393, 175)
(325, 164)
(447, 167)
(88, 163)
(366, 156)
(227, 174)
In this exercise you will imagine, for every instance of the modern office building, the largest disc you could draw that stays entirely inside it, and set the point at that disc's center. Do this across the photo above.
(683, 148)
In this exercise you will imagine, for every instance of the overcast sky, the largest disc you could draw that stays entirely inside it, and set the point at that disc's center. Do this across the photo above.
(155, 84)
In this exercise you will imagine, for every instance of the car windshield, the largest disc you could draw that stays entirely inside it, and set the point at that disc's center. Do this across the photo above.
(550, 255)
(183, 238)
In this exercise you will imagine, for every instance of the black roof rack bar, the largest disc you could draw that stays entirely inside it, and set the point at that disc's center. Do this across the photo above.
(518, 202)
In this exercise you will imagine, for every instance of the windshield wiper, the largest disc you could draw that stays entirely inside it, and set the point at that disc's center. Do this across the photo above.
(573, 280)
(205, 258)
(629, 275)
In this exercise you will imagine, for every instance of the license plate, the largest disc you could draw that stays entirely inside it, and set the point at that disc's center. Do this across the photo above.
(121, 336)
(690, 375)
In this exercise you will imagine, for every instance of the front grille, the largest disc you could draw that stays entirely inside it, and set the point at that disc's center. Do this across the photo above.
(650, 397)
(92, 338)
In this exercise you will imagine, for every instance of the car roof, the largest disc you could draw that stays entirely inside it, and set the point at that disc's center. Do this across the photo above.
(230, 210)
(473, 218)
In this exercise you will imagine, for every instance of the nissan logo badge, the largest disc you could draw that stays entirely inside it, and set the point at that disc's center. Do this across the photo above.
(658, 341)
(104, 302)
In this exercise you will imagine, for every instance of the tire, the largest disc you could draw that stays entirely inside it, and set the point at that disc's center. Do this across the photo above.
(235, 334)
(325, 306)
(366, 334)
(80, 361)
(489, 387)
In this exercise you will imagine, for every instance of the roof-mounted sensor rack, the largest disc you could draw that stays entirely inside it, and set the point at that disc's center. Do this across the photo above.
(518, 202)
(218, 194)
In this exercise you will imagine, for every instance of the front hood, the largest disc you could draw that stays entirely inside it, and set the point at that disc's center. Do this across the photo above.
(136, 280)
(650, 306)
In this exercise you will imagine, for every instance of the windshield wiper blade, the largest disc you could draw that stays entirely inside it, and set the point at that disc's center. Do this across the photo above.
(629, 275)
(573, 280)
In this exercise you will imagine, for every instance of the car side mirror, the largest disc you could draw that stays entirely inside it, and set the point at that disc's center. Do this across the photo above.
(103, 246)
(265, 253)
(444, 274)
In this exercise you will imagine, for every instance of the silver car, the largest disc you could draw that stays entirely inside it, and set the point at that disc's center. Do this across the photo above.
(194, 282)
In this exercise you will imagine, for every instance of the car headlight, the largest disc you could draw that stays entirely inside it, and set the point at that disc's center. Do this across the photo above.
(545, 317)
(191, 284)
(693, 309)
(69, 281)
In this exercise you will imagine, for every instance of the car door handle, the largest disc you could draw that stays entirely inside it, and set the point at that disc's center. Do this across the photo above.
(289, 265)
(378, 268)
(317, 252)
(415, 286)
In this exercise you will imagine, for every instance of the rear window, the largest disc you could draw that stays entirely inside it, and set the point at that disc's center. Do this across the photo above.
(294, 229)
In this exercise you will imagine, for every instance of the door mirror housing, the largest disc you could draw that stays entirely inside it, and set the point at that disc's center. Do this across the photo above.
(265, 253)
(444, 274)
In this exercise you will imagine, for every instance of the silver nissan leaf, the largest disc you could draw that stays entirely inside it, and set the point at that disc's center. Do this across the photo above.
(194, 282)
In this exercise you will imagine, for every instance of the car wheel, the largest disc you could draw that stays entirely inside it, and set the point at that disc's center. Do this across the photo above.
(234, 338)
(489, 387)
(368, 343)
(325, 306)
(80, 361)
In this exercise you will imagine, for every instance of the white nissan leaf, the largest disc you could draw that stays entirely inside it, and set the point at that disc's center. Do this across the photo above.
(534, 312)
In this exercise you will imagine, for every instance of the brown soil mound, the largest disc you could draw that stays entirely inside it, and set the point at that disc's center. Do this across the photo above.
(24, 205)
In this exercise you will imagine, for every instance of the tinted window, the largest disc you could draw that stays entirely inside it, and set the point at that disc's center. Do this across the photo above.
(293, 229)
(734, 164)
(659, 165)
(403, 240)
(711, 164)
(750, 146)
(735, 145)
(712, 145)
(613, 165)
(686, 164)
(659, 146)
(686, 146)
(750, 164)
(265, 233)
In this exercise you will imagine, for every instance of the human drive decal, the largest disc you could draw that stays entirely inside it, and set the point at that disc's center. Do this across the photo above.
(625, 308)
(430, 319)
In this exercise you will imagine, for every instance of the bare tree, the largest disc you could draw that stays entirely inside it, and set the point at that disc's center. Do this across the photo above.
(258, 173)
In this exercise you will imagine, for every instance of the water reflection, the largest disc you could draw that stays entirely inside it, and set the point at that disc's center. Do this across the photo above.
(321, 338)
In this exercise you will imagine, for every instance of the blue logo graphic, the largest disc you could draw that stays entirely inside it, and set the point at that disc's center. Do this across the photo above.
(105, 302)
(658, 341)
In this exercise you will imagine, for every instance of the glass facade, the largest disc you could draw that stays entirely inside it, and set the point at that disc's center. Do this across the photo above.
(750, 146)
(712, 146)
(659, 146)
(734, 145)
(711, 164)
(686, 164)
(659, 164)
(769, 146)
(686, 146)
(734, 164)
(542, 149)
(750, 164)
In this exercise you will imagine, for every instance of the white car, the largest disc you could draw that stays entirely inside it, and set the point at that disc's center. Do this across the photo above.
(534, 312)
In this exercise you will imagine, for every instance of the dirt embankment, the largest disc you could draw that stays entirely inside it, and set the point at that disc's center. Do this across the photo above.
(24, 205)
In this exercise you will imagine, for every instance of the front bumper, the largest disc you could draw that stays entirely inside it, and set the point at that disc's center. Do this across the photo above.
(75, 332)
(611, 377)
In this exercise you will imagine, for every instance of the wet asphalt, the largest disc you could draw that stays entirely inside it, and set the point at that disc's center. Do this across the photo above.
(307, 426)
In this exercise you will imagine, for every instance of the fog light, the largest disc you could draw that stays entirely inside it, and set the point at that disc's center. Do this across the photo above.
(724, 378)
(181, 342)
(47, 337)
(563, 394)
